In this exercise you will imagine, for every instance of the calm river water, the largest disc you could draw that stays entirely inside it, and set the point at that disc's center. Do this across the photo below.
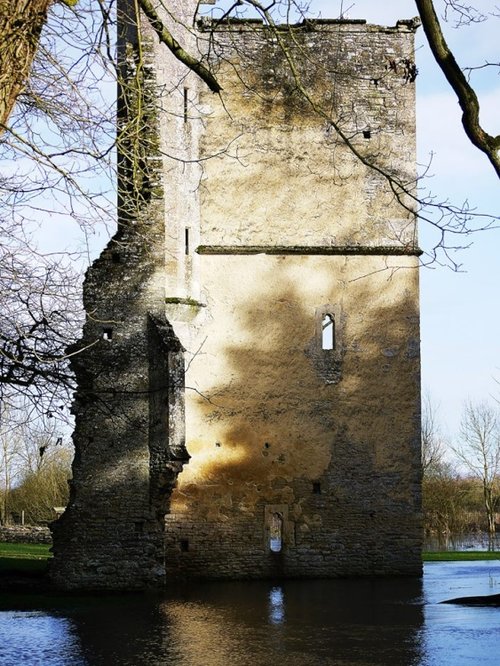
(296, 623)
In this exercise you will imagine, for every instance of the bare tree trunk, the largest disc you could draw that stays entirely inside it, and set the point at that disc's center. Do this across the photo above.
(21, 22)
(490, 510)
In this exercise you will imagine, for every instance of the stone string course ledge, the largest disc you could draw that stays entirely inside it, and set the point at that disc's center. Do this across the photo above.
(361, 250)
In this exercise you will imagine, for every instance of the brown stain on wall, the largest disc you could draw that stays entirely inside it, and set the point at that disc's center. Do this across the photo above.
(275, 424)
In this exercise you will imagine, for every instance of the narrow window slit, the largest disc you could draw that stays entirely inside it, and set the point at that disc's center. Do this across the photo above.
(186, 240)
(328, 332)
(316, 488)
(367, 134)
(184, 545)
(186, 100)
(107, 333)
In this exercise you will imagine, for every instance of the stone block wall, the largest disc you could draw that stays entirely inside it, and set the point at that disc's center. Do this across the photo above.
(129, 365)
(294, 227)
(254, 222)
(282, 174)
(25, 534)
(336, 454)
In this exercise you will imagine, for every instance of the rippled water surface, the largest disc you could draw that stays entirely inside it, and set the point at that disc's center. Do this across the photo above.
(296, 623)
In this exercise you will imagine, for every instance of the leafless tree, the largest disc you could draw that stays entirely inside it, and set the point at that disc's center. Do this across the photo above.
(58, 147)
(444, 495)
(479, 452)
(20, 25)
(57, 166)
(442, 491)
(460, 84)
(10, 449)
(433, 448)
(40, 315)
(35, 459)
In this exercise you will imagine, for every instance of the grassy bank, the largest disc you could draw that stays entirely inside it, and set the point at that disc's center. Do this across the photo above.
(29, 551)
(459, 556)
(23, 558)
(32, 558)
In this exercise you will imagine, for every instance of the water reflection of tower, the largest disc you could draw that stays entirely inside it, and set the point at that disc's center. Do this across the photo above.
(276, 605)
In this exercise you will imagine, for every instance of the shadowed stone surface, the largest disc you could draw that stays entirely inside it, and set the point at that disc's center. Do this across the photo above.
(251, 225)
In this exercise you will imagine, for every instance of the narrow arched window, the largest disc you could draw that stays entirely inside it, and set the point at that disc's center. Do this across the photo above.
(328, 332)
(276, 533)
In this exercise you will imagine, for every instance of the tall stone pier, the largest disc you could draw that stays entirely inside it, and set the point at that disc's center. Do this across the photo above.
(249, 389)
(129, 407)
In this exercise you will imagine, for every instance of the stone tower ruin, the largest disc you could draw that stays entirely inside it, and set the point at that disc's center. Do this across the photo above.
(249, 392)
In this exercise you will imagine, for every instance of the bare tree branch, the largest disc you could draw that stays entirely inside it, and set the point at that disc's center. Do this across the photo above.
(171, 43)
(467, 98)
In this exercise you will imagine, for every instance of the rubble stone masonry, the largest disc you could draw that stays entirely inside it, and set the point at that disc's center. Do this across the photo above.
(280, 273)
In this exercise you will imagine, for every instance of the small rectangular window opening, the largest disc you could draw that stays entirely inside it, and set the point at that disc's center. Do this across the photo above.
(107, 333)
(316, 488)
(367, 134)
(186, 101)
(115, 257)
(184, 545)
(328, 332)
(276, 533)
(186, 240)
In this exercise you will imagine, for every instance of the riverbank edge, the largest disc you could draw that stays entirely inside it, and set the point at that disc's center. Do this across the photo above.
(460, 555)
(23, 571)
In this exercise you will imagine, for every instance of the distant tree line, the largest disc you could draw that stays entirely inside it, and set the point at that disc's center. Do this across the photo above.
(35, 465)
(461, 481)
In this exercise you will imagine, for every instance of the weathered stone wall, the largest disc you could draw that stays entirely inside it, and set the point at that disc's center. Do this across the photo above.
(294, 227)
(25, 534)
(129, 365)
(341, 455)
(282, 175)
(247, 227)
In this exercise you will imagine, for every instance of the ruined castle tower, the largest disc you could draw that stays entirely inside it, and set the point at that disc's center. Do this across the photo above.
(273, 264)
(129, 406)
